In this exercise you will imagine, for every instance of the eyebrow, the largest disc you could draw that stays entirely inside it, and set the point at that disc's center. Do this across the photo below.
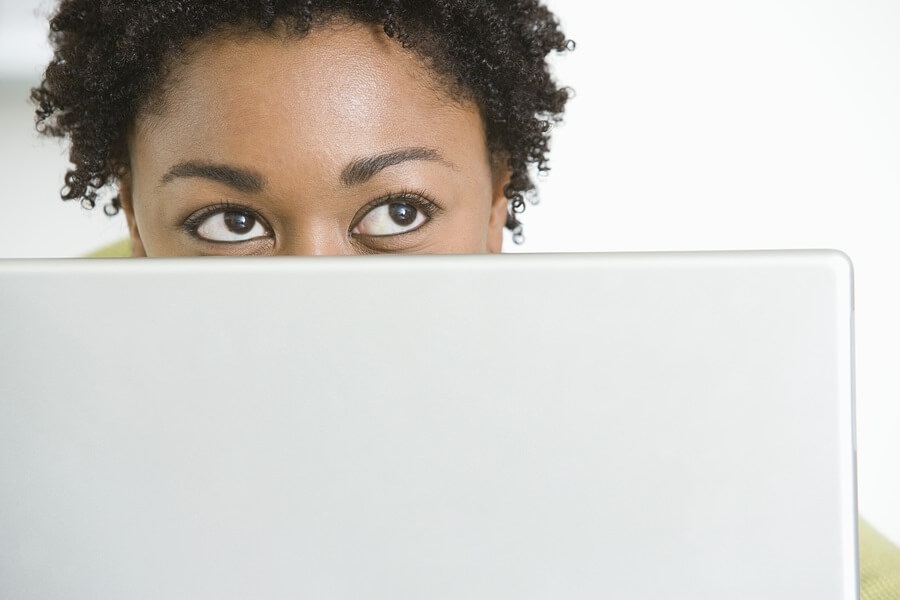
(243, 180)
(362, 169)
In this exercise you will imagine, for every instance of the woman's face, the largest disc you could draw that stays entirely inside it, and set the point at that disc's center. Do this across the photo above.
(341, 142)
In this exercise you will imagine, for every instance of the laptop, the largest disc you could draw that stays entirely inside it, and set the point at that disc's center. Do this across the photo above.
(571, 426)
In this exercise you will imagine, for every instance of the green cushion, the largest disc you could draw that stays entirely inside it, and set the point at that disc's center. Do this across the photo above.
(879, 565)
(120, 249)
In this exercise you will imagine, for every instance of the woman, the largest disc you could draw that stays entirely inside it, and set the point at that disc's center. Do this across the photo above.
(310, 127)
(304, 127)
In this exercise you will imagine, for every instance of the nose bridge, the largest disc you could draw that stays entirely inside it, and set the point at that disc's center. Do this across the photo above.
(316, 237)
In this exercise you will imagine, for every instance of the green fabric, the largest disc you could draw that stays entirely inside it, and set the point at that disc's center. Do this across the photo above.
(120, 249)
(879, 565)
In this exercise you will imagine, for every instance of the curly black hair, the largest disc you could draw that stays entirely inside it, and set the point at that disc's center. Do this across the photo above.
(111, 56)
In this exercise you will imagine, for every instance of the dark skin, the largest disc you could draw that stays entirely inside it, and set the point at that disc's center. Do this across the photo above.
(340, 142)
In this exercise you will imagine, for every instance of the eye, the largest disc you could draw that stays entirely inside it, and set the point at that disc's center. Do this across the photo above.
(230, 226)
(391, 218)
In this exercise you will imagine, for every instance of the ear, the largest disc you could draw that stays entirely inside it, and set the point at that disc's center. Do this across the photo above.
(127, 204)
(499, 209)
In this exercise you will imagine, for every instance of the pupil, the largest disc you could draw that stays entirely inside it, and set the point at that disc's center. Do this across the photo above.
(238, 222)
(402, 213)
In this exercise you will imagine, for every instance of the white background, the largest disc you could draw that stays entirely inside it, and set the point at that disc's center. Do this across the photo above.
(696, 125)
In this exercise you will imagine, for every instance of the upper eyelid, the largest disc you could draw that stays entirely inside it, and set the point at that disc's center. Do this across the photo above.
(193, 221)
(419, 199)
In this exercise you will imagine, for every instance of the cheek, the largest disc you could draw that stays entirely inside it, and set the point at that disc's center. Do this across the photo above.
(147, 216)
(466, 231)
(145, 204)
(471, 227)
(157, 233)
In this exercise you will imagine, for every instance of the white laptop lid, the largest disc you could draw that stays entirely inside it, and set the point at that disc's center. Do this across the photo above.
(528, 426)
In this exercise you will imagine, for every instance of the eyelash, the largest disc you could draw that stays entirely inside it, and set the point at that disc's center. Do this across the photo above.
(193, 222)
(420, 199)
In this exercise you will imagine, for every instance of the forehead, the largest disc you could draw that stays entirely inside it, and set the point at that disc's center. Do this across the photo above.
(343, 90)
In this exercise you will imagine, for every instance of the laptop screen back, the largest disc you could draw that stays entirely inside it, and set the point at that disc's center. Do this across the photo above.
(528, 426)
